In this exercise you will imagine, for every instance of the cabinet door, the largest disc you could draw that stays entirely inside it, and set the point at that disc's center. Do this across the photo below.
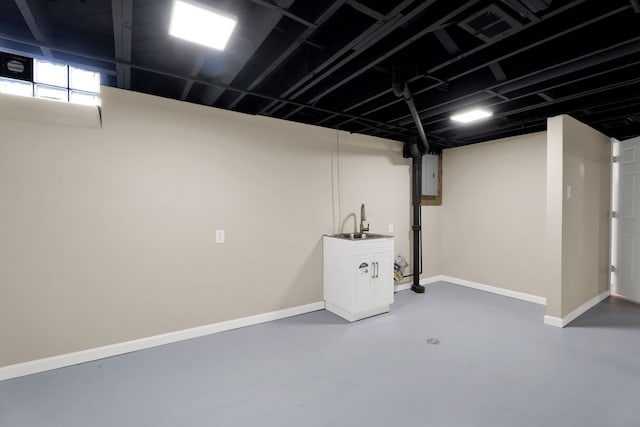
(384, 279)
(364, 293)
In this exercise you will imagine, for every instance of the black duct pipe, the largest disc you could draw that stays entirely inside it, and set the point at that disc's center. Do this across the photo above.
(416, 174)
(401, 90)
(414, 149)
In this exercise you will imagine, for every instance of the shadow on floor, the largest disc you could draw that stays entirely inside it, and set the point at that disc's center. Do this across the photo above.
(612, 312)
(320, 317)
(324, 317)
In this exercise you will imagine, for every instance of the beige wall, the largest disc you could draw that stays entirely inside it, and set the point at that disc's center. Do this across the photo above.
(108, 235)
(493, 213)
(554, 199)
(577, 226)
(585, 216)
(431, 241)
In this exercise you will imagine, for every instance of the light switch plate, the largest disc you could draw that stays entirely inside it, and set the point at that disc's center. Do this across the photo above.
(390, 228)
(219, 236)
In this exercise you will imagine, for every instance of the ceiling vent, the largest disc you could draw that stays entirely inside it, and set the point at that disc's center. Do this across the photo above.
(620, 123)
(16, 67)
(489, 23)
(537, 5)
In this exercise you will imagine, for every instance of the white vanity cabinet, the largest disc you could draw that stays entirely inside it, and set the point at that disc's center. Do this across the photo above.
(358, 276)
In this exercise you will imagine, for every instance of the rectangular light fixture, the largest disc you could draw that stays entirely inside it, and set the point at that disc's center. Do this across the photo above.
(471, 115)
(201, 24)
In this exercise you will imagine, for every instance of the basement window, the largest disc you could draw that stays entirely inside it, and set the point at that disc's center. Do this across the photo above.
(65, 83)
(84, 98)
(54, 81)
(84, 80)
(50, 74)
(51, 92)
(15, 87)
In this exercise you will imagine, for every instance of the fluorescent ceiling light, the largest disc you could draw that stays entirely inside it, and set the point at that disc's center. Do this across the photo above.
(471, 115)
(201, 24)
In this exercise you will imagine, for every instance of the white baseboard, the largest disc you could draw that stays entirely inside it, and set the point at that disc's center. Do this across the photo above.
(55, 362)
(432, 279)
(562, 322)
(425, 281)
(553, 321)
(495, 290)
(352, 317)
(401, 287)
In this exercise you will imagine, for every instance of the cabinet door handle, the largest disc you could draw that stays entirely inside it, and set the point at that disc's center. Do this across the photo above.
(375, 269)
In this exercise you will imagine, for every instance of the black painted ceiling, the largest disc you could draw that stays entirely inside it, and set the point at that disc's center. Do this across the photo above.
(329, 62)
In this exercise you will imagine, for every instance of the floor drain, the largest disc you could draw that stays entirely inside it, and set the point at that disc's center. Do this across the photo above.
(433, 341)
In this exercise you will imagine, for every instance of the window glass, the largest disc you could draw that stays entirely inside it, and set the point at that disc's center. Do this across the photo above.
(50, 73)
(51, 92)
(84, 98)
(88, 81)
(57, 81)
(16, 87)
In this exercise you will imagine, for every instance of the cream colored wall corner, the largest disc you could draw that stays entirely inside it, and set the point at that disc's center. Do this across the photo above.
(553, 217)
(579, 191)
(493, 213)
(108, 235)
(586, 214)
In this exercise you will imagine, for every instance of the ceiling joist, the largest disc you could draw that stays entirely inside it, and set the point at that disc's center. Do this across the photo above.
(122, 11)
(36, 17)
(329, 63)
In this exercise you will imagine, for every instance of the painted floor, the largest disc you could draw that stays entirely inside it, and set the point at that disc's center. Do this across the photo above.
(451, 357)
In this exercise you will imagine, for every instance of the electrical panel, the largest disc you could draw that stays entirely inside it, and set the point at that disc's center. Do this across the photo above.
(430, 175)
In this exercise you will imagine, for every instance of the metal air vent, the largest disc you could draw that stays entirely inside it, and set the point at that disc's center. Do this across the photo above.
(612, 124)
(489, 23)
(537, 5)
(16, 67)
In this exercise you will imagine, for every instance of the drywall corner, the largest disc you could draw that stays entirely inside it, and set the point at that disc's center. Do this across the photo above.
(585, 214)
(577, 215)
(553, 237)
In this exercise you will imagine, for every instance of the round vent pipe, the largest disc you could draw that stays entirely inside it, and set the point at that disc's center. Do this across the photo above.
(413, 148)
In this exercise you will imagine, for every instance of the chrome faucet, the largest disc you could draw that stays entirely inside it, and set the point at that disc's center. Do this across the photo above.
(364, 224)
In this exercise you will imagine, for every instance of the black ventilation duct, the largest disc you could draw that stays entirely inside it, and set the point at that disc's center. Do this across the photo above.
(413, 149)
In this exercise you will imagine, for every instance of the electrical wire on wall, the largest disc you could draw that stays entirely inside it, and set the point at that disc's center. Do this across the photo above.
(338, 167)
(336, 183)
(333, 196)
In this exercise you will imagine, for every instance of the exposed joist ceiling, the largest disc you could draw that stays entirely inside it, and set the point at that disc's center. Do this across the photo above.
(329, 63)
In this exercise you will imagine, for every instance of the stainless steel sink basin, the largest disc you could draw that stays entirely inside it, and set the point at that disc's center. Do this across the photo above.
(359, 236)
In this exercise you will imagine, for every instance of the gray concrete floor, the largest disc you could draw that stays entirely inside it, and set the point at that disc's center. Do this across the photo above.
(451, 357)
